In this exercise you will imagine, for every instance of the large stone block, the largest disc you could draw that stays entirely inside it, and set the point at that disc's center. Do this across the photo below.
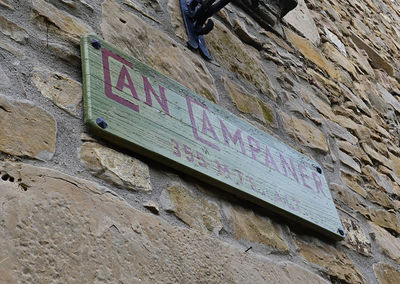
(62, 90)
(304, 132)
(386, 273)
(26, 129)
(259, 229)
(389, 244)
(150, 45)
(332, 261)
(229, 51)
(69, 26)
(58, 228)
(197, 212)
(115, 167)
(249, 104)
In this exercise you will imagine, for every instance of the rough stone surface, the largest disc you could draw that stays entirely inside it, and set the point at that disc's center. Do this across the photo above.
(249, 104)
(389, 244)
(12, 30)
(63, 91)
(385, 219)
(200, 214)
(333, 262)
(156, 49)
(255, 228)
(54, 227)
(301, 19)
(26, 130)
(4, 80)
(355, 237)
(6, 4)
(304, 132)
(386, 273)
(68, 25)
(115, 167)
(376, 60)
(348, 161)
(230, 52)
(311, 53)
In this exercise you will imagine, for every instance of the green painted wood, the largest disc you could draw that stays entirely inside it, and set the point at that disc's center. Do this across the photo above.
(157, 117)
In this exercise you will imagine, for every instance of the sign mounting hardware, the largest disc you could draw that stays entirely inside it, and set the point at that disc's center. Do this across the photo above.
(136, 107)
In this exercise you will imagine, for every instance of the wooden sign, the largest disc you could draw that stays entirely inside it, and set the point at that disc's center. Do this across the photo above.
(134, 106)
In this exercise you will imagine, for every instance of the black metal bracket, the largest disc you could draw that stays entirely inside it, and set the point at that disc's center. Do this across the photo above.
(196, 14)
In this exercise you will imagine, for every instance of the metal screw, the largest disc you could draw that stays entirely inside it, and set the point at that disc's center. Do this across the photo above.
(341, 232)
(96, 43)
(319, 170)
(101, 122)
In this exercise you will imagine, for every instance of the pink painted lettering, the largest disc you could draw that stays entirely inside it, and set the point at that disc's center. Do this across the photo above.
(162, 100)
(291, 168)
(254, 147)
(237, 137)
(269, 160)
(223, 169)
(318, 183)
(124, 80)
(190, 101)
(107, 79)
(304, 177)
(207, 126)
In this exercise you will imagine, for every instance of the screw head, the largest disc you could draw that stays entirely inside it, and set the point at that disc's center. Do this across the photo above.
(341, 232)
(101, 123)
(96, 43)
(319, 170)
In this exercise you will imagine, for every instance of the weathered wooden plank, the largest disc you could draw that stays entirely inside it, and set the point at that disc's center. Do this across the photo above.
(155, 116)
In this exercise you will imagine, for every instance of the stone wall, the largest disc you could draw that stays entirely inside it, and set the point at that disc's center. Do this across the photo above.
(73, 209)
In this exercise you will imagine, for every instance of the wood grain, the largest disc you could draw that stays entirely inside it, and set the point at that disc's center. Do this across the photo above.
(155, 116)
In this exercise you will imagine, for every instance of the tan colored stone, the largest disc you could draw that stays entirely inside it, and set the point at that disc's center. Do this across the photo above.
(376, 156)
(68, 25)
(386, 273)
(175, 14)
(376, 60)
(360, 58)
(333, 54)
(332, 261)
(12, 30)
(156, 49)
(300, 18)
(312, 53)
(231, 53)
(349, 198)
(62, 90)
(395, 164)
(64, 229)
(340, 132)
(385, 219)
(115, 167)
(355, 237)
(26, 130)
(354, 151)
(249, 104)
(6, 4)
(389, 244)
(255, 228)
(199, 213)
(152, 206)
(348, 161)
(241, 31)
(304, 132)
(320, 105)
(354, 182)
